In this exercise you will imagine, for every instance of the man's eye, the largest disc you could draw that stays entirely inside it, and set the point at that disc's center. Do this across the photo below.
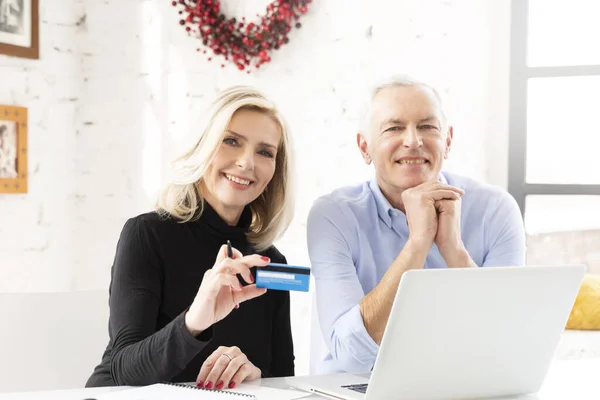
(394, 128)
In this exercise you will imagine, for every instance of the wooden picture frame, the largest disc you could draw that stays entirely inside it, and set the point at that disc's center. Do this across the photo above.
(13, 149)
(19, 28)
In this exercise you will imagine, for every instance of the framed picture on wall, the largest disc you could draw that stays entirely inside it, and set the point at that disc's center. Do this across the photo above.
(13, 149)
(19, 28)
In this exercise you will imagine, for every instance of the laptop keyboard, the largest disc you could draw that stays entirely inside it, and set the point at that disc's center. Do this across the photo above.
(360, 388)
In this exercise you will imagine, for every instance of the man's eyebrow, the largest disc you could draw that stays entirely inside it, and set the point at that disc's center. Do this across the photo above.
(392, 121)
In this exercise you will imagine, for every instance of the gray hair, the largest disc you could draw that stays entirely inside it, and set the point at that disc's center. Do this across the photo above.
(393, 82)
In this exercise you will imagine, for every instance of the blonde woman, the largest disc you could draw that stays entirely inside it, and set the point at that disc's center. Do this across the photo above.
(181, 310)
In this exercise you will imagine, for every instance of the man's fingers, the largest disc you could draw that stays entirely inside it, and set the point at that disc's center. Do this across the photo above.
(429, 184)
(444, 195)
(434, 185)
(446, 205)
(443, 186)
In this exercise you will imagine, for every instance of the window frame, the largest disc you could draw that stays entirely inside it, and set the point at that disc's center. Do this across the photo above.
(520, 73)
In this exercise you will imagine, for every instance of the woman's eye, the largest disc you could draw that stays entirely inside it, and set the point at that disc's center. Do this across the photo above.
(230, 141)
(265, 153)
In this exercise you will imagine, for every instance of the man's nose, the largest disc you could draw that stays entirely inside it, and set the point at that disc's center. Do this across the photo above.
(412, 138)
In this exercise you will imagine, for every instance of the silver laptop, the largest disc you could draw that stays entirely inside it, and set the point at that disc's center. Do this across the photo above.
(464, 333)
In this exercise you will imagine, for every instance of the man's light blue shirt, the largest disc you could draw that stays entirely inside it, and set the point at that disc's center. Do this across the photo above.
(354, 235)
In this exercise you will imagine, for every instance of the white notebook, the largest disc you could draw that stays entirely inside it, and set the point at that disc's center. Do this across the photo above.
(162, 391)
(180, 391)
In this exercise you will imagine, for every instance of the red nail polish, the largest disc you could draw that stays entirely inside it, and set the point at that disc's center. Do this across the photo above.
(220, 385)
(265, 258)
(208, 385)
(251, 279)
(200, 384)
(231, 385)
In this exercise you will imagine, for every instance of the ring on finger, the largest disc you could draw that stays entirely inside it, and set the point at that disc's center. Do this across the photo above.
(228, 356)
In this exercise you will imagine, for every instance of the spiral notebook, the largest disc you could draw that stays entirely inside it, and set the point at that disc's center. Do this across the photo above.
(182, 391)
(174, 391)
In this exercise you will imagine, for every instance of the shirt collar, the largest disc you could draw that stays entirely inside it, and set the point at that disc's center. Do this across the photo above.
(384, 208)
(443, 178)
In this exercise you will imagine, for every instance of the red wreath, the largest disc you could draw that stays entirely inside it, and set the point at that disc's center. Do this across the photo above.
(247, 45)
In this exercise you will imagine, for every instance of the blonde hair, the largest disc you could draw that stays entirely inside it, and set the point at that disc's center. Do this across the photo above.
(272, 211)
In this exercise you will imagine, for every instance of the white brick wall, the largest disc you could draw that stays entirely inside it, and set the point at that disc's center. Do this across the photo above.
(119, 85)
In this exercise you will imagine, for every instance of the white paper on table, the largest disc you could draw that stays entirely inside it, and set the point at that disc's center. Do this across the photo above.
(68, 394)
(267, 393)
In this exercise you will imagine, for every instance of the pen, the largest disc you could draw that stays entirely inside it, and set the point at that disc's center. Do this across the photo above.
(230, 255)
(229, 251)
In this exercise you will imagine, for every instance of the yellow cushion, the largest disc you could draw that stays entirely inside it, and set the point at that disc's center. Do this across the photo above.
(585, 314)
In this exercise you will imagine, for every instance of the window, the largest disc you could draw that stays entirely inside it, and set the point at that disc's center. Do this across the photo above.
(555, 129)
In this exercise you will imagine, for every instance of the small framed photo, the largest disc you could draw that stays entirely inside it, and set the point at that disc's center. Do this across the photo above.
(19, 28)
(13, 149)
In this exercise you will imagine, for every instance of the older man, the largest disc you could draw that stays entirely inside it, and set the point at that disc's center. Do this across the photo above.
(412, 215)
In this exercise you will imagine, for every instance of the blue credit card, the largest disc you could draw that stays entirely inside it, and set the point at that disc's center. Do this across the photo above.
(283, 277)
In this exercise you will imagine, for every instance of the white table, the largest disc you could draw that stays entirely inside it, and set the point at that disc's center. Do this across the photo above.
(566, 380)
(572, 380)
